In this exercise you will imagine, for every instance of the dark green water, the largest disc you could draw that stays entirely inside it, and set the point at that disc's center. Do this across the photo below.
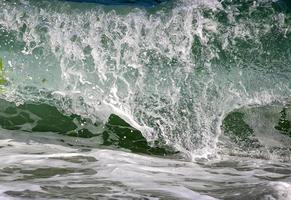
(42, 118)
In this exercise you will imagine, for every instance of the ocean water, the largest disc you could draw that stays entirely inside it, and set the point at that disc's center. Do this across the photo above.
(180, 99)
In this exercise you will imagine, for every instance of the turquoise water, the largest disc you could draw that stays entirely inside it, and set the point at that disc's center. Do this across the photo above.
(180, 99)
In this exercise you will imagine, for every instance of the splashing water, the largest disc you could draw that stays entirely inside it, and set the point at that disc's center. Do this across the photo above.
(173, 72)
(85, 88)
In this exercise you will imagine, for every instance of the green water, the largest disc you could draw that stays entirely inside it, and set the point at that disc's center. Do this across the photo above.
(42, 118)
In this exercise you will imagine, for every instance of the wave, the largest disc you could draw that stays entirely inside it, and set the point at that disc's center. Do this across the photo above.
(173, 72)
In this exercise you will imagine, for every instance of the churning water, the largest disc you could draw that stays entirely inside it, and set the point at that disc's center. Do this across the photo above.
(182, 99)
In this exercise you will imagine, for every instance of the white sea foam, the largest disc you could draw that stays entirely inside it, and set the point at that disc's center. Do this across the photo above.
(50, 171)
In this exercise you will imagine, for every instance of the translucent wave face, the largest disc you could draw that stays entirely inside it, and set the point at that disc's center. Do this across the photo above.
(262, 132)
(172, 73)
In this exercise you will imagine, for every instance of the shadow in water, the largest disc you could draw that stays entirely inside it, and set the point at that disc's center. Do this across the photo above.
(44, 118)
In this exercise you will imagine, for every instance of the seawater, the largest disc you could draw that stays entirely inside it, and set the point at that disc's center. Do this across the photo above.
(176, 100)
